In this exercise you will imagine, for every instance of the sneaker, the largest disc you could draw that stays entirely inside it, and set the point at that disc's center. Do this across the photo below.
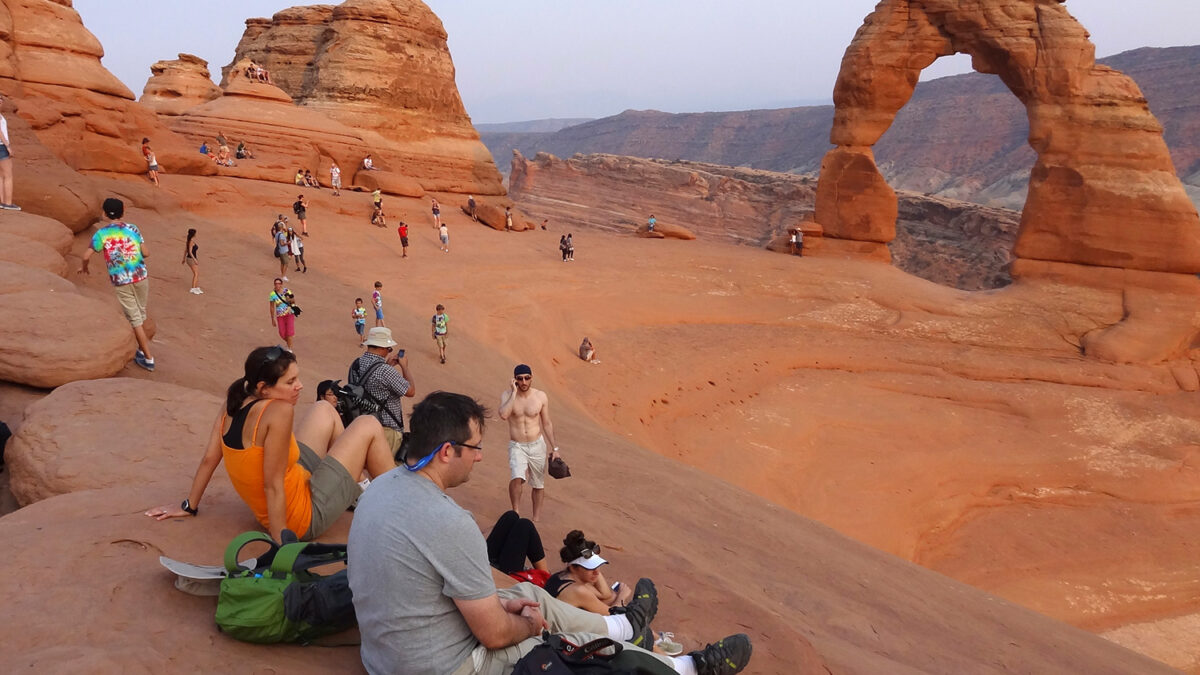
(283, 278)
(10, 207)
(199, 291)
(142, 361)
(443, 359)
(641, 611)
(667, 644)
(726, 657)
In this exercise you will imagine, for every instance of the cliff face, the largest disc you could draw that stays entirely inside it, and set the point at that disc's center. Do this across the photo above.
(950, 242)
(962, 137)
(381, 66)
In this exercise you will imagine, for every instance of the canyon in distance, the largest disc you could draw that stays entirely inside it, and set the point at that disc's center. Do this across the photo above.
(965, 445)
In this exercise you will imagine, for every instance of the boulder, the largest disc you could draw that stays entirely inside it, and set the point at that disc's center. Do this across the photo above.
(17, 249)
(492, 215)
(16, 278)
(666, 231)
(390, 182)
(178, 84)
(382, 66)
(41, 352)
(1103, 191)
(41, 229)
(104, 433)
(44, 185)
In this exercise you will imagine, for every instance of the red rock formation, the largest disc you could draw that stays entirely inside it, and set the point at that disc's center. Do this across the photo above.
(50, 64)
(953, 243)
(1103, 191)
(383, 66)
(179, 84)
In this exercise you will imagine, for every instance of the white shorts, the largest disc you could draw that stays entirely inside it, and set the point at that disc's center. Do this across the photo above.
(527, 461)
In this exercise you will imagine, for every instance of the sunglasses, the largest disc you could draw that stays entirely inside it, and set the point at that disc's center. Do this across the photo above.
(275, 353)
(429, 458)
(589, 552)
(523, 378)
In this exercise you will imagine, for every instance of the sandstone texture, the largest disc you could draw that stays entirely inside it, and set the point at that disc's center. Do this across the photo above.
(31, 253)
(103, 433)
(51, 67)
(34, 351)
(41, 229)
(178, 84)
(382, 66)
(953, 243)
(17, 278)
(1103, 191)
(44, 185)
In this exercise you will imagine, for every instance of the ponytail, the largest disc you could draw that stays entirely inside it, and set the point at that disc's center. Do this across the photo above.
(236, 395)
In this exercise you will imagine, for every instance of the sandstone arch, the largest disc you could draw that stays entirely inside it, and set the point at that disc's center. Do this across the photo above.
(1103, 191)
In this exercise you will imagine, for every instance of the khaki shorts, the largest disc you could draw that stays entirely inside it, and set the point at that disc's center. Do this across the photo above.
(441, 340)
(393, 438)
(527, 461)
(133, 299)
(333, 489)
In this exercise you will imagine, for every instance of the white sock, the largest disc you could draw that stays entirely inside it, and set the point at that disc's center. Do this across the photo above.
(684, 665)
(619, 627)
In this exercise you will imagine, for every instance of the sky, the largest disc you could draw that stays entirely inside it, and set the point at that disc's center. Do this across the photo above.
(534, 59)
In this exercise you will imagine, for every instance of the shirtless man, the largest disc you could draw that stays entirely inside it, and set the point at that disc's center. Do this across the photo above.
(528, 413)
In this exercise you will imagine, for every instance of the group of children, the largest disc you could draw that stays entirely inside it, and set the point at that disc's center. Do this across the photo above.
(440, 323)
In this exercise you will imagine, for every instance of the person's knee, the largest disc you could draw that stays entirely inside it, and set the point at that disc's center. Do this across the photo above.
(368, 424)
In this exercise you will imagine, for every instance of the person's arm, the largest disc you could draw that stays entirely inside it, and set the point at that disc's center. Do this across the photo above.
(547, 427)
(83, 263)
(583, 596)
(271, 309)
(603, 591)
(401, 364)
(507, 399)
(208, 464)
(278, 419)
(500, 623)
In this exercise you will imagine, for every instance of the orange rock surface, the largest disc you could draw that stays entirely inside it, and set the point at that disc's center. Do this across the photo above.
(381, 66)
(179, 84)
(1103, 191)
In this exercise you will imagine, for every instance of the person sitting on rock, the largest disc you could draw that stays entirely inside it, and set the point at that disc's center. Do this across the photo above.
(300, 177)
(377, 217)
(368, 164)
(582, 584)
(243, 152)
(309, 180)
(512, 541)
(224, 158)
(586, 351)
(204, 148)
(301, 481)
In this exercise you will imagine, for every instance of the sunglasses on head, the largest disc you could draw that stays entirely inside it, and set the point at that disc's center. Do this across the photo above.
(274, 353)
(589, 552)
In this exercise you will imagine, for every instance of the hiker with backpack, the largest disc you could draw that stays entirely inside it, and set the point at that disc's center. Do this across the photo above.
(423, 590)
(300, 481)
(383, 373)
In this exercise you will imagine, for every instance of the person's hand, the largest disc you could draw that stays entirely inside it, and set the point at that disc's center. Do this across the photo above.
(402, 361)
(83, 269)
(514, 385)
(553, 453)
(273, 323)
(537, 623)
(165, 512)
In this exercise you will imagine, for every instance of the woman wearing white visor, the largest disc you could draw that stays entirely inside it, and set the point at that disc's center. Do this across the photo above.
(582, 584)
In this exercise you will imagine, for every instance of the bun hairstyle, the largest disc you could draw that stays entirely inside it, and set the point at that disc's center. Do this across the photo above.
(191, 232)
(265, 365)
(574, 544)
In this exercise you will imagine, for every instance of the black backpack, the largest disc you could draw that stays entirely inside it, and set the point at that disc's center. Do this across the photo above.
(297, 207)
(558, 656)
(354, 400)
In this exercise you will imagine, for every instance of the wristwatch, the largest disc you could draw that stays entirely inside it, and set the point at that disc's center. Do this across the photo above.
(187, 506)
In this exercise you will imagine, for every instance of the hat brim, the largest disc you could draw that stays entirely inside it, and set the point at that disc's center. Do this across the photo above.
(589, 563)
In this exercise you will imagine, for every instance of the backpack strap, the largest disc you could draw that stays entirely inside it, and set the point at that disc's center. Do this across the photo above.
(363, 383)
(239, 542)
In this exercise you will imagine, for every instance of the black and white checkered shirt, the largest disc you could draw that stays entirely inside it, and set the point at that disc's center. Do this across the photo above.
(386, 384)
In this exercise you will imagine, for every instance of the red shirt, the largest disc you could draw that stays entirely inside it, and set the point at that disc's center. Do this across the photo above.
(403, 230)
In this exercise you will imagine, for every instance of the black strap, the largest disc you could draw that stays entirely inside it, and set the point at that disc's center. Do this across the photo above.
(363, 383)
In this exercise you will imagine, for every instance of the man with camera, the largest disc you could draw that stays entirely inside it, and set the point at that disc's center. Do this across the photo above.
(383, 373)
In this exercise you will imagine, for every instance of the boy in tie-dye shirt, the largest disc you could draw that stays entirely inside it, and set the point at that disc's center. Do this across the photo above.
(124, 254)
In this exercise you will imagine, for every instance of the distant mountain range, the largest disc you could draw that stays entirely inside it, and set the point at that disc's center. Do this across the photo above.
(546, 126)
(962, 137)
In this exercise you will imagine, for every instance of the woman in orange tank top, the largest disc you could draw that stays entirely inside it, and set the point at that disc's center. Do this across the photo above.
(300, 481)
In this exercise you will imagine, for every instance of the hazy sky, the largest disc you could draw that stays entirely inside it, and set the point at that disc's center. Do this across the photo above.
(530, 59)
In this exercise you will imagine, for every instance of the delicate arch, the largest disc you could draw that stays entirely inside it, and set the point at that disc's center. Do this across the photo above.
(1103, 191)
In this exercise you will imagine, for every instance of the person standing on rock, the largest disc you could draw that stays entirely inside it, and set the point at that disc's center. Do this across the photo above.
(651, 223)
(508, 219)
(125, 256)
(437, 213)
(441, 329)
(282, 316)
(471, 207)
(377, 303)
(527, 411)
(444, 237)
(300, 208)
(797, 242)
(283, 251)
(402, 230)
(335, 179)
(151, 161)
(190, 250)
(6, 166)
(296, 248)
(382, 371)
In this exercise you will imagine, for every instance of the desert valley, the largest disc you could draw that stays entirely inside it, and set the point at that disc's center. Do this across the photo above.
(957, 435)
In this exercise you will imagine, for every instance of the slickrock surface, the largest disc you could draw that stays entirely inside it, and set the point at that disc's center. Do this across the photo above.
(178, 84)
(953, 243)
(1103, 191)
(382, 66)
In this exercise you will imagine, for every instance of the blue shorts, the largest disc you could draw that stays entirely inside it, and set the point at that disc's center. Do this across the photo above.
(4, 154)
(360, 326)
(379, 315)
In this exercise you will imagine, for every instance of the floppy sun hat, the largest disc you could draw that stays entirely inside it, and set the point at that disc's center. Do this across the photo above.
(380, 337)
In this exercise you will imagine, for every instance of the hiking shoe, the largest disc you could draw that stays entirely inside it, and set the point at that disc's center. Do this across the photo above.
(726, 657)
(640, 611)
(10, 207)
(142, 361)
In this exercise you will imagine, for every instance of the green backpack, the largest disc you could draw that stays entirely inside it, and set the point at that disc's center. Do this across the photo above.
(281, 600)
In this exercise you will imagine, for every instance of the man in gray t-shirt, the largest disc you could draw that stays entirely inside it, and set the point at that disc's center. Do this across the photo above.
(423, 591)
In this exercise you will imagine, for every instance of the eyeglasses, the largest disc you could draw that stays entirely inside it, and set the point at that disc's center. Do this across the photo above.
(523, 378)
(589, 552)
(432, 453)
(274, 353)
(468, 445)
